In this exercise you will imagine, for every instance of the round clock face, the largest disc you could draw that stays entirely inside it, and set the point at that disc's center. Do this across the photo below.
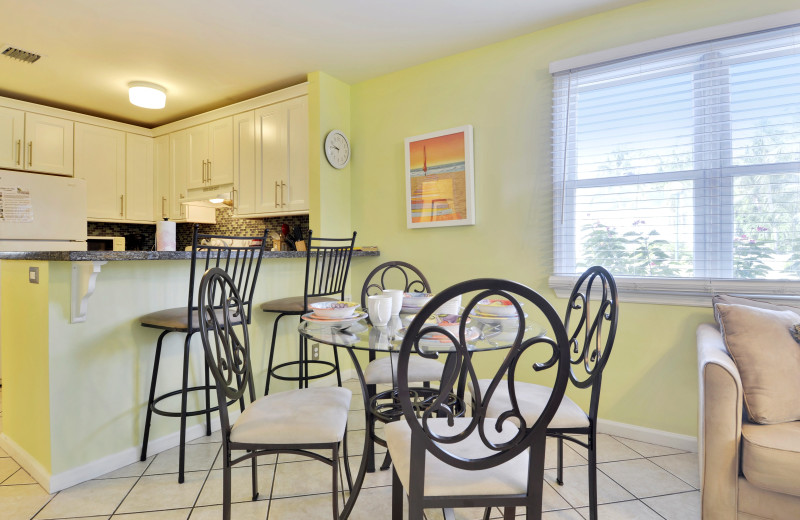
(337, 149)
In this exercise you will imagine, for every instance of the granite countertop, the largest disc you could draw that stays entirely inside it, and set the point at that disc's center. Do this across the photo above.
(83, 256)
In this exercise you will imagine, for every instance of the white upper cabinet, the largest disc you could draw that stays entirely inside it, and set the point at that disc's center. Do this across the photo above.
(210, 149)
(35, 142)
(161, 178)
(178, 172)
(281, 138)
(244, 163)
(12, 138)
(100, 159)
(139, 186)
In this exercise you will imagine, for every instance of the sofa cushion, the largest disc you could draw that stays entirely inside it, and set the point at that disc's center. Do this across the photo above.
(767, 357)
(771, 456)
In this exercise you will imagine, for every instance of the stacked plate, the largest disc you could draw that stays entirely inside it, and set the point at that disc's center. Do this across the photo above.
(413, 302)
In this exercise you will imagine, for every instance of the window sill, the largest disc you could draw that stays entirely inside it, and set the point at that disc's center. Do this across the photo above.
(692, 292)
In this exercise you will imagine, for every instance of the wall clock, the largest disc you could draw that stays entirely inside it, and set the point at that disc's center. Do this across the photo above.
(337, 149)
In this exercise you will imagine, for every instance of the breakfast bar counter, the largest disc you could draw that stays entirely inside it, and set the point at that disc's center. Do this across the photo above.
(76, 362)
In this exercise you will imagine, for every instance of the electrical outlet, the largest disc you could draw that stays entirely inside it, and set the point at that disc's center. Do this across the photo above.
(33, 274)
(315, 351)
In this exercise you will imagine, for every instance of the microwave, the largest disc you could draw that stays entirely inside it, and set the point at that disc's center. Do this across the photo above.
(105, 243)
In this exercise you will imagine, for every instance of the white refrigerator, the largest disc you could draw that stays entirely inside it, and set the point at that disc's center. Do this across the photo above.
(42, 212)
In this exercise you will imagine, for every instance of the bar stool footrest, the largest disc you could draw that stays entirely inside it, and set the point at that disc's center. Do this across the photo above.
(332, 370)
(188, 412)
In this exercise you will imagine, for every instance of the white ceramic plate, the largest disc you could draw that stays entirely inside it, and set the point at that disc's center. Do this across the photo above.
(358, 315)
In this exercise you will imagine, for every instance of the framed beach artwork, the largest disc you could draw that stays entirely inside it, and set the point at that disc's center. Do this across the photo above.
(440, 184)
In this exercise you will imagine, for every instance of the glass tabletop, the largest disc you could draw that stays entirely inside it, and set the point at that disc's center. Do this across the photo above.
(481, 334)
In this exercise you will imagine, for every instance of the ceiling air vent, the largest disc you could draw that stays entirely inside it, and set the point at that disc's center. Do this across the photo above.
(19, 54)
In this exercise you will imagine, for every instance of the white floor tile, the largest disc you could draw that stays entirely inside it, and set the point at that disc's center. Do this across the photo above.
(241, 485)
(7, 468)
(199, 457)
(19, 478)
(239, 511)
(302, 478)
(172, 514)
(160, 492)
(632, 510)
(22, 502)
(681, 506)
(576, 487)
(643, 478)
(685, 466)
(92, 498)
(646, 449)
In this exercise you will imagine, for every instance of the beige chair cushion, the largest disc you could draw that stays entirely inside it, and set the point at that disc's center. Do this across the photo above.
(532, 399)
(442, 479)
(304, 416)
(771, 456)
(420, 369)
(768, 359)
(177, 319)
(293, 304)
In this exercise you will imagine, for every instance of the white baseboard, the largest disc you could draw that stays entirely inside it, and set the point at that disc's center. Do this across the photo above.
(640, 433)
(39, 473)
(94, 469)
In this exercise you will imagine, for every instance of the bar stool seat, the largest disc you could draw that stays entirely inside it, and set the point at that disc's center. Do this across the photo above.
(174, 320)
(293, 304)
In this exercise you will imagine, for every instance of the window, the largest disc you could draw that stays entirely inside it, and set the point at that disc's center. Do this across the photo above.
(682, 163)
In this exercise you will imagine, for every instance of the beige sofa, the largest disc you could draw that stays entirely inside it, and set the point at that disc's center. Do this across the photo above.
(747, 470)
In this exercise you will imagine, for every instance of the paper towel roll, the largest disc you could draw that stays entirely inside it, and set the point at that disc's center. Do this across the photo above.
(165, 235)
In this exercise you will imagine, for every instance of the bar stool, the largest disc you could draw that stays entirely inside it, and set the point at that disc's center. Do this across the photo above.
(325, 281)
(240, 257)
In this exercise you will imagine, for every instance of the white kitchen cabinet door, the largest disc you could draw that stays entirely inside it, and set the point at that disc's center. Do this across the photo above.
(244, 163)
(12, 138)
(178, 171)
(219, 169)
(139, 186)
(271, 158)
(282, 157)
(295, 195)
(100, 160)
(161, 210)
(198, 156)
(48, 144)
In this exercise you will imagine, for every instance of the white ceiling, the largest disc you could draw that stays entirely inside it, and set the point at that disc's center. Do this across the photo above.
(210, 53)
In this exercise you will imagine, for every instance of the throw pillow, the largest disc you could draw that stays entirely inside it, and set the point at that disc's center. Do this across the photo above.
(767, 357)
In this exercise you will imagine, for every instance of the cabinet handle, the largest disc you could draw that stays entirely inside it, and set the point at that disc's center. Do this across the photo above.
(208, 162)
(233, 197)
(19, 151)
(163, 207)
(276, 194)
(204, 171)
(121, 205)
(30, 153)
(283, 185)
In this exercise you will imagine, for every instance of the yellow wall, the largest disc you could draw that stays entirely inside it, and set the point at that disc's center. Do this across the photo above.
(329, 109)
(26, 385)
(504, 91)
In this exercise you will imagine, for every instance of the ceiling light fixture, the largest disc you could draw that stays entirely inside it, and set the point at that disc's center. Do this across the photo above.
(147, 95)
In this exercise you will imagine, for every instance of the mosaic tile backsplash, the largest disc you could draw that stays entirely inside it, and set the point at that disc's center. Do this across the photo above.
(141, 237)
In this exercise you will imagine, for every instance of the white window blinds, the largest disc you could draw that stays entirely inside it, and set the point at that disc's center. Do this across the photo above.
(682, 163)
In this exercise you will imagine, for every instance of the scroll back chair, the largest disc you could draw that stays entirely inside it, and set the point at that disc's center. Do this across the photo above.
(591, 337)
(442, 461)
(327, 267)
(242, 262)
(393, 275)
(294, 421)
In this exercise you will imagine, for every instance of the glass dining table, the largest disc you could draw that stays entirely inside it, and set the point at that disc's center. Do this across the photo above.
(358, 334)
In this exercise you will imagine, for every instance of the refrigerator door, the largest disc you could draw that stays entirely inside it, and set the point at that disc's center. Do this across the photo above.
(36, 207)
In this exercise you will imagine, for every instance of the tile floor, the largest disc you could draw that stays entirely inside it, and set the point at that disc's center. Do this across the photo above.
(636, 481)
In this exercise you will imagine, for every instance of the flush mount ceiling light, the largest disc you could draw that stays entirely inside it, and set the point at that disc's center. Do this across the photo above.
(147, 95)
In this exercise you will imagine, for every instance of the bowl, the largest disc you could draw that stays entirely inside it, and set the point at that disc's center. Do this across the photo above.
(416, 300)
(496, 307)
(334, 310)
(450, 322)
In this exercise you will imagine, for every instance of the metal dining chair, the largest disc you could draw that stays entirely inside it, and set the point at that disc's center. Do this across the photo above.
(591, 337)
(393, 275)
(294, 421)
(443, 461)
(327, 267)
(242, 261)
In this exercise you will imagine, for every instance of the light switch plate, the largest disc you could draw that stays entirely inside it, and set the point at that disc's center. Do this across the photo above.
(33, 274)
